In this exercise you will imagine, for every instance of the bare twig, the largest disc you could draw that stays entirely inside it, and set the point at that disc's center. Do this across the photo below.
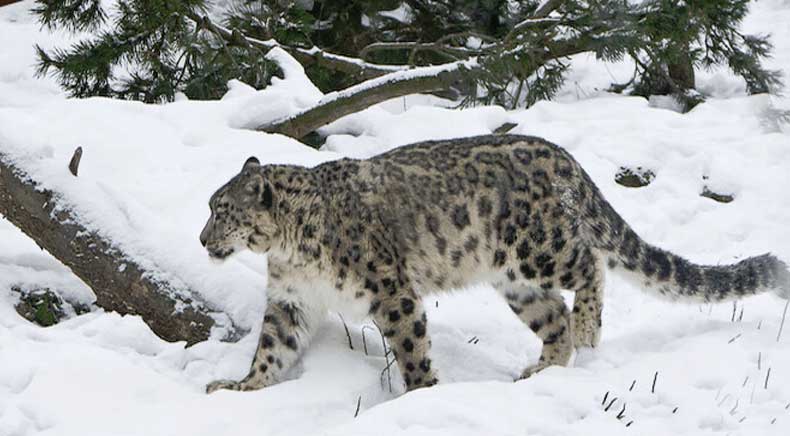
(621, 415)
(734, 338)
(387, 371)
(359, 403)
(767, 376)
(611, 403)
(386, 352)
(735, 407)
(633, 383)
(655, 378)
(782, 325)
(364, 341)
(348, 334)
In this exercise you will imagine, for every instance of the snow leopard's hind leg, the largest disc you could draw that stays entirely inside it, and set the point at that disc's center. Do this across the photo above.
(588, 301)
(546, 314)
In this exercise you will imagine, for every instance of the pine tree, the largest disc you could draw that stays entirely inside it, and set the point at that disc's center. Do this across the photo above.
(150, 49)
(145, 50)
(679, 36)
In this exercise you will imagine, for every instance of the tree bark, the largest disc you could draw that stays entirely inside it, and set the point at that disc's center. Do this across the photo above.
(362, 96)
(8, 2)
(119, 283)
(682, 71)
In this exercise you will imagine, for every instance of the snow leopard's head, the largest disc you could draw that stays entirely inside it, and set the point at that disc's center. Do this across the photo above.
(241, 215)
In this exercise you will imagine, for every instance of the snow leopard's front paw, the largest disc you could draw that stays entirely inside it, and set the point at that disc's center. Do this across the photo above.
(532, 370)
(223, 384)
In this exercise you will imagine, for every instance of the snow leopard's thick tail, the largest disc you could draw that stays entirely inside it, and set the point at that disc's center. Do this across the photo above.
(668, 275)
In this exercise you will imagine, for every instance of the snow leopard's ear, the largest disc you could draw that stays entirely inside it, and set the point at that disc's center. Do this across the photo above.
(260, 190)
(251, 162)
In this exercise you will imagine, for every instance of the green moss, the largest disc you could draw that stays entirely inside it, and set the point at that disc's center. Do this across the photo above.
(41, 306)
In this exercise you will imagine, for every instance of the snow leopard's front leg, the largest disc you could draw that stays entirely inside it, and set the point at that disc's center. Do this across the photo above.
(401, 317)
(288, 326)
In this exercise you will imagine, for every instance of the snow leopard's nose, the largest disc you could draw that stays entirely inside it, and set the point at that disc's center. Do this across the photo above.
(204, 236)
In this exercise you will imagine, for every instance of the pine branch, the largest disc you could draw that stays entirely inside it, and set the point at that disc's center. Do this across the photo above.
(445, 50)
(313, 56)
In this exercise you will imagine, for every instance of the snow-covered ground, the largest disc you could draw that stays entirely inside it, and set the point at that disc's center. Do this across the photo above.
(145, 179)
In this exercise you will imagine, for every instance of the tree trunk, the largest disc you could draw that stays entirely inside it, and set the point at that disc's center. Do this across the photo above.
(682, 71)
(8, 2)
(119, 283)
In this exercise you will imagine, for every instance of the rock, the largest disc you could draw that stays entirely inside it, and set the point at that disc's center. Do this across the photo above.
(505, 128)
(721, 198)
(634, 177)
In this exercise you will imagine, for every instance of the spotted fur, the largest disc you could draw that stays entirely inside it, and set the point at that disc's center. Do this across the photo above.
(373, 237)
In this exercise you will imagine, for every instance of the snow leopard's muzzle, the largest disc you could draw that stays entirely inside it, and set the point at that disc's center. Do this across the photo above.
(218, 244)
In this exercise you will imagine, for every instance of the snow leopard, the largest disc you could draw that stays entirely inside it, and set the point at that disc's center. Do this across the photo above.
(371, 238)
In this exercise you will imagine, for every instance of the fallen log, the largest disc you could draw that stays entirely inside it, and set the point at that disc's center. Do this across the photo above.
(120, 284)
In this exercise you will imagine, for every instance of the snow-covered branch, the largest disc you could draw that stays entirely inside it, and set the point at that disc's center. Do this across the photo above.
(361, 96)
(546, 8)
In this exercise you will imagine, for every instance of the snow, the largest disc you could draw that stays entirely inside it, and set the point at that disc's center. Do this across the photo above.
(389, 78)
(147, 173)
(403, 14)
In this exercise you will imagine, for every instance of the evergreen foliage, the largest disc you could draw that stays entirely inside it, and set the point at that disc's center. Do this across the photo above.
(145, 50)
(150, 49)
